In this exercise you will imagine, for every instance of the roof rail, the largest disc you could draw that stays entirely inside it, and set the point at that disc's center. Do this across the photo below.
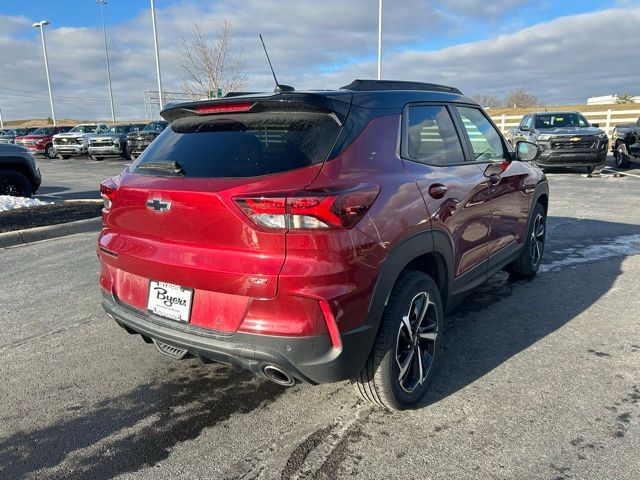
(365, 85)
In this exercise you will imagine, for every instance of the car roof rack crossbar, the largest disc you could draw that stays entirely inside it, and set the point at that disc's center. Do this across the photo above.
(368, 85)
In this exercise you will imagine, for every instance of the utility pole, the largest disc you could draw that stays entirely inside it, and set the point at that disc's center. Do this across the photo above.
(379, 38)
(41, 25)
(155, 43)
(102, 3)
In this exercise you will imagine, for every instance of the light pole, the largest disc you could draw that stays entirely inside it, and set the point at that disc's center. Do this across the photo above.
(102, 3)
(1, 122)
(41, 25)
(155, 43)
(379, 38)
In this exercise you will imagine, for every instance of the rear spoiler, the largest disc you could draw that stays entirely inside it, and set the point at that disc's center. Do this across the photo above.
(338, 104)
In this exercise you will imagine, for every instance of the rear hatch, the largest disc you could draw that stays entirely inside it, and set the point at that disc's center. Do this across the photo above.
(175, 215)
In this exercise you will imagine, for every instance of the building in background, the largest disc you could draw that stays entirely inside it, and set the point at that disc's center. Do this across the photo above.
(608, 100)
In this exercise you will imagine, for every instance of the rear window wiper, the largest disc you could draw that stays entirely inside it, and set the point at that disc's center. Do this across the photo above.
(171, 167)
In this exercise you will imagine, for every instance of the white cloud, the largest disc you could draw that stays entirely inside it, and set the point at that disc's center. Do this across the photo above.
(322, 45)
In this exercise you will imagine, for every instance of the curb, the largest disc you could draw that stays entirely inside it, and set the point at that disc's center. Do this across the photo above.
(30, 235)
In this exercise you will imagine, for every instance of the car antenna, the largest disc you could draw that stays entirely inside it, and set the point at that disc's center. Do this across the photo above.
(279, 88)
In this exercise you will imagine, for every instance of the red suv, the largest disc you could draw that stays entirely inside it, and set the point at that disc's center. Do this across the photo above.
(318, 236)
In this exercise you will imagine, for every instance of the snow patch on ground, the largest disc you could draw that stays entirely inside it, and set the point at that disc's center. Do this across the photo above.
(622, 246)
(7, 202)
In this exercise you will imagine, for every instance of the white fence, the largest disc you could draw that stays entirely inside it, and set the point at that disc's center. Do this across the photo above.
(607, 119)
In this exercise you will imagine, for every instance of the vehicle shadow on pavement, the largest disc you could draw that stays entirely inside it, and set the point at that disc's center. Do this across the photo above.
(137, 429)
(504, 317)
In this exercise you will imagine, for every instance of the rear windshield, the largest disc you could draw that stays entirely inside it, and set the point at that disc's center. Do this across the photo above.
(244, 144)
(44, 131)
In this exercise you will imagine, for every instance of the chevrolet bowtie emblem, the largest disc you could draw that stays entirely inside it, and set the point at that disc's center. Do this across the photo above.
(158, 205)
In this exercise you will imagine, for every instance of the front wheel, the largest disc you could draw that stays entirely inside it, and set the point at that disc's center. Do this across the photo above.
(50, 152)
(530, 258)
(15, 184)
(620, 156)
(407, 349)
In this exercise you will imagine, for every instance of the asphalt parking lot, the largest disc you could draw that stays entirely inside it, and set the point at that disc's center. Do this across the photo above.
(540, 379)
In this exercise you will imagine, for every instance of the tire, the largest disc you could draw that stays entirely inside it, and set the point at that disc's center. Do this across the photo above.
(15, 184)
(382, 381)
(590, 170)
(49, 152)
(528, 263)
(620, 155)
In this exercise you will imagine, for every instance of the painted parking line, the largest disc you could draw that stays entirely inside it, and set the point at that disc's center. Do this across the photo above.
(622, 172)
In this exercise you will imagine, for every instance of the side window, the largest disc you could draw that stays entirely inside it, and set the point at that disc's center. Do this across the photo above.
(432, 136)
(485, 140)
(529, 122)
(525, 121)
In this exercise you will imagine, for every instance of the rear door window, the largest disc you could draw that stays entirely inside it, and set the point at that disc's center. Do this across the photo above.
(432, 137)
(243, 144)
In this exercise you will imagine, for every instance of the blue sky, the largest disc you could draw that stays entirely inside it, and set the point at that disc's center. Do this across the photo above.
(483, 47)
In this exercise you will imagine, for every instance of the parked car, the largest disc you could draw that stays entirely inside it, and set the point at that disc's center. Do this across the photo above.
(9, 135)
(625, 144)
(138, 141)
(76, 140)
(113, 142)
(319, 236)
(19, 173)
(567, 139)
(40, 141)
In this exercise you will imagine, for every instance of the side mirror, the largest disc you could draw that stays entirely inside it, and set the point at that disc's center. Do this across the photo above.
(524, 128)
(527, 151)
(597, 125)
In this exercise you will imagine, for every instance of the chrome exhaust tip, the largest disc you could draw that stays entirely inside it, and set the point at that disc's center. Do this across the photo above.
(278, 376)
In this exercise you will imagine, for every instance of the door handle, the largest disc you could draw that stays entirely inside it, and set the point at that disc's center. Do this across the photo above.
(437, 191)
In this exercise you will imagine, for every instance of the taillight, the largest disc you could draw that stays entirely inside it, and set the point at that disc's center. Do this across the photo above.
(310, 210)
(107, 191)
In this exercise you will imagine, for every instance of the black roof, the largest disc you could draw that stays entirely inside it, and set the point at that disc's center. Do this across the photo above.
(379, 94)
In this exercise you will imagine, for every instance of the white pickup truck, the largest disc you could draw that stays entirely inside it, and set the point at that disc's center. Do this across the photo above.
(76, 140)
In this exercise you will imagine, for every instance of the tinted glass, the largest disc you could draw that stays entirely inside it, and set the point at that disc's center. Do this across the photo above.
(486, 142)
(44, 131)
(155, 127)
(432, 136)
(560, 120)
(119, 129)
(243, 145)
(84, 128)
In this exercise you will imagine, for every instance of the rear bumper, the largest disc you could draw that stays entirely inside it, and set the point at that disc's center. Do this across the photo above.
(312, 359)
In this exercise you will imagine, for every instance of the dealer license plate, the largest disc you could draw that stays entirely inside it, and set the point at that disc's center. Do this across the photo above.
(170, 301)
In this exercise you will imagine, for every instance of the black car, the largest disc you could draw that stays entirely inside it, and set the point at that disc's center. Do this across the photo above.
(138, 141)
(19, 173)
(113, 142)
(9, 135)
(625, 144)
(567, 139)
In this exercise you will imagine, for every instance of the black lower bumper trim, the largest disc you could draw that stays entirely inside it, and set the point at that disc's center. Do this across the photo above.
(310, 359)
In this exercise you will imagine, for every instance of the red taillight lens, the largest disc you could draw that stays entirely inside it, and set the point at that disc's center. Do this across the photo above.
(310, 210)
(107, 191)
(224, 108)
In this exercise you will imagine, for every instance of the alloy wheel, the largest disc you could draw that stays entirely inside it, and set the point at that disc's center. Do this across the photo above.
(416, 342)
(536, 245)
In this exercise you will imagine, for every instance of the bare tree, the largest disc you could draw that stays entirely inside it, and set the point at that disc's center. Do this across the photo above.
(487, 101)
(625, 98)
(520, 98)
(208, 64)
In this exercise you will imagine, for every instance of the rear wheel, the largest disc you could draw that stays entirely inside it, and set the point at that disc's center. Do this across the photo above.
(15, 184)
(407, 349)
(50, 152)
(530, 257)
(620, 155)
